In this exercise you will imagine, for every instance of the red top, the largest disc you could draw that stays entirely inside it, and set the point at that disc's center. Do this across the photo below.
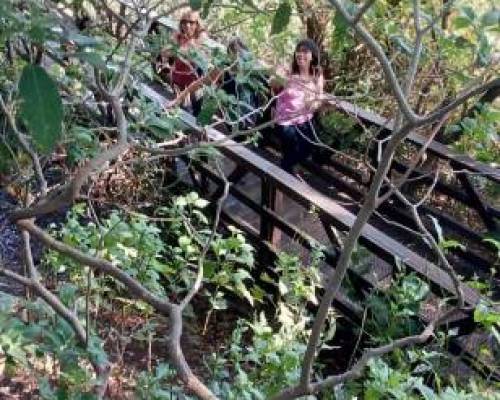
(184, 72)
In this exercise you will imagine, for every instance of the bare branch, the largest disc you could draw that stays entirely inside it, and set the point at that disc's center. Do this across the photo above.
(382, 58)
(430, 239)
(15, 276)
(458, 101)
(98, 265)
(357, 370)
(361, 11)
(417, 50)
(48, 296)
(335, 279)
(178, 360)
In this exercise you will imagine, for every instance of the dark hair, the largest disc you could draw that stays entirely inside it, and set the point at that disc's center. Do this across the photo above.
(311, 46)
(236, 45)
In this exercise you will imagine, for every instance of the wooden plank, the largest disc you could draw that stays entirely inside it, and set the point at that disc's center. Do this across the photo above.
(460, 160)
(438, 149)
(307, 196)
(481, 206)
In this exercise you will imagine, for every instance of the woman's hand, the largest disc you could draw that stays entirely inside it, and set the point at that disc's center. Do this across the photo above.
(172, 104)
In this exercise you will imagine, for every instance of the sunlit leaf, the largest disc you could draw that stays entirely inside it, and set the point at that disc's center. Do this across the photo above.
(461, 22)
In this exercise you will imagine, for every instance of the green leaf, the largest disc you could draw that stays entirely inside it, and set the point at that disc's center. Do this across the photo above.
(282, 288)
(491, 18)
(208, 109)
(484, 52)
(469, 13)
(206, 8)
(92, 58)
(46, 392)
(161, 127)
(461, 22)
(281, 18)
(41, 107)
(495, 243)
(195, 4)
(201, 203)
(184, 241)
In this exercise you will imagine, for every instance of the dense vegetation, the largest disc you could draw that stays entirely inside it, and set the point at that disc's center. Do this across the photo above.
(131, 287)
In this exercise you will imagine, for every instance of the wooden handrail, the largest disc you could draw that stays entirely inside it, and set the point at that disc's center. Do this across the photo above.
(305, 195)
(438, 149)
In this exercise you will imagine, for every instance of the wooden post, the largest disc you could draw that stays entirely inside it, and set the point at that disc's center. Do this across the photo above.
(481, 206)
(267, 200)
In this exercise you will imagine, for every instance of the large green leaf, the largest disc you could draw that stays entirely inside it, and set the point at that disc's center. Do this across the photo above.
(41, 107)
(462, 22)
(208, 109)
(94, 59)
(281, 18)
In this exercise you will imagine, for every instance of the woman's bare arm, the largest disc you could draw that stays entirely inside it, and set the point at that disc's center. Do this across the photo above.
(208, 79)
(278, 80)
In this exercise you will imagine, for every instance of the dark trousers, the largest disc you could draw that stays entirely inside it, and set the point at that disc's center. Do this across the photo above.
(297, 142)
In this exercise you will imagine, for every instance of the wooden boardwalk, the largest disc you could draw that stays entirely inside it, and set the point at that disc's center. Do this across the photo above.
(308, 211)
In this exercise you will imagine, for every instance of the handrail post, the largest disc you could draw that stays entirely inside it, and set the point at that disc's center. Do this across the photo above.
(267, 200)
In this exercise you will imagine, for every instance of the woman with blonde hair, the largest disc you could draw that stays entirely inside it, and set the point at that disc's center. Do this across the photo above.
(246, 99)
(177, 69)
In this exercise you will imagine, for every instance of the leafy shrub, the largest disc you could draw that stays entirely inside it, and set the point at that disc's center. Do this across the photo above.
(341, 131)
(394, 313)
(47, 336)
(479, 134)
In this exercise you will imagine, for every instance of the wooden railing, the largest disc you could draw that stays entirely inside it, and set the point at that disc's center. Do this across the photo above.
(273, 179)
(462, 191)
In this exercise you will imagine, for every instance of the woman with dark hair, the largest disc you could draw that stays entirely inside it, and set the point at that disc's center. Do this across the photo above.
(300, 96)
(178, 70)
(246, 98)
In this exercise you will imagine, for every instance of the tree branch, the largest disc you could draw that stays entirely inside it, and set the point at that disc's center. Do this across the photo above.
(26, 146)
(432, 242)
(357, 370)
(201, 259)
(361, 11)
(382, 58)
(97, 264)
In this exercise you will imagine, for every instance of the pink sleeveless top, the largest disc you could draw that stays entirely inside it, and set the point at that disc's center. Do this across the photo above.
(291, 106)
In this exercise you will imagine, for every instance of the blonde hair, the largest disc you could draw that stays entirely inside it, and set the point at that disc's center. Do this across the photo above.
(192, 15)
